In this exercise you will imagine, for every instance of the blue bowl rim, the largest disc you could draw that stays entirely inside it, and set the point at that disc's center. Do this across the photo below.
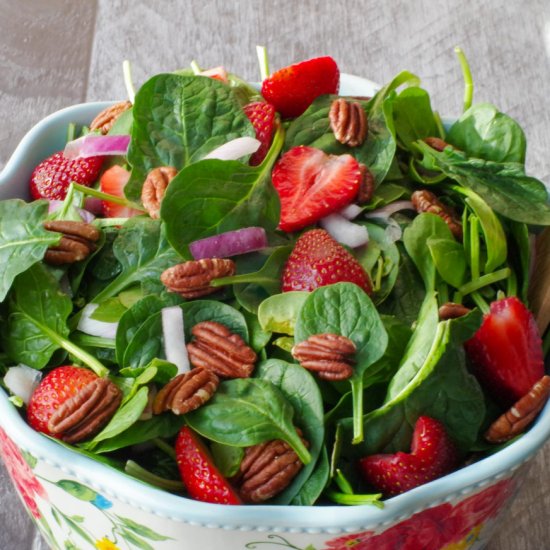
(123, 488)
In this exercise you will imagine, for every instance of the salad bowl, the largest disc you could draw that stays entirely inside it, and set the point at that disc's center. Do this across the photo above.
(80, 503)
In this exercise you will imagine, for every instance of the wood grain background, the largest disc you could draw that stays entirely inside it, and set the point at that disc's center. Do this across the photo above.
(55, 53)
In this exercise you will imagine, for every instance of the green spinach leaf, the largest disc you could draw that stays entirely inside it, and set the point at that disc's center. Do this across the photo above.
(279, 312)
(23, 239)
(177, 120)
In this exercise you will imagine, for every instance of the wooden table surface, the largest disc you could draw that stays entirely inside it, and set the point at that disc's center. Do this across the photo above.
(55, 53)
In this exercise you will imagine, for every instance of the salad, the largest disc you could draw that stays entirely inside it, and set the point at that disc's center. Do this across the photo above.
(277, 294)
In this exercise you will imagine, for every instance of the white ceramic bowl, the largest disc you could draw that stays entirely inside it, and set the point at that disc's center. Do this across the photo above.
(80, 502)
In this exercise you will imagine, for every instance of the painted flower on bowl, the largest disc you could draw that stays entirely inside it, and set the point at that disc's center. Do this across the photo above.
(21, 473)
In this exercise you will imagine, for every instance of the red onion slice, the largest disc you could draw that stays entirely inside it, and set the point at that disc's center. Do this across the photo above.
(344, 231)
(93, 327)
(86, 216)
(22, 381)
(94, 145)
(231, 243)
(235, 149)
(174, 338)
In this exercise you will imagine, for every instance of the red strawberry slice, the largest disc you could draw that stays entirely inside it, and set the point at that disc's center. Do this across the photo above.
(262, 117)
(318, 260)
(113, 182)
(198, 472)
(292, 89)
(433, 454)
(312, 184)
(52, 177)
(54, 389)
(506, 351)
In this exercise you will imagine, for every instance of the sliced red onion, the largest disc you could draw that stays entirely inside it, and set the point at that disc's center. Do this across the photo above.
(344, 231)
(22, 381)
(93, 205)
(93, 327)
(174, 338)
(94, 145)
(231, 243)
(351, 211)
(390, 209)
(86, 216)
(235, 149)
(217, 73)
(393, 230)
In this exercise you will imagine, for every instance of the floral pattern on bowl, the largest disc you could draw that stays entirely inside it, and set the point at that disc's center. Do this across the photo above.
(84, 518)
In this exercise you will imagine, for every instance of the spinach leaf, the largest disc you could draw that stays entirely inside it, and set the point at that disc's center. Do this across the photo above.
(279, 312)
(485, 133)
(413, 116)
(502, 185)
(227, 458)
(345, 309)
(35, 324)
(162, 426)
(237, 196)
(259, 412)
(441, 388)
(449, 259)
(302, 392)
(493, 232)
(424, 227)
(23, 239)
(135, 316)
(177, 120)
(143, 253)
(314, 485)
(408, 292)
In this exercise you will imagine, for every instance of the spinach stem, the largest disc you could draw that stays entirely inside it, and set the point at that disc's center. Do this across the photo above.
(474, 246)
(135, 470)
(106, 197)
(485, 280)
(195, 67)
(93, 341)
(71, 131)
(164, 447)
(443, 292)
(261, 52)
(357, 395)
(343, 483)
(512, 284)
(354, 500)
(439, 125)
(480, 302)
(127, 72)
(468, 81)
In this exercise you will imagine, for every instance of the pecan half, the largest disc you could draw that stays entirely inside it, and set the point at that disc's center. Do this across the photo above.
(154, 187)
(217, 349)
(186, 392)
(329, 355)
(77, 242)
(436, 143)
(348, 121)
(516, 419)
(266, 470)
(87, 412)
(366, 185)
(450, 310)
(104, 121)
(425, 201)
(192, 279)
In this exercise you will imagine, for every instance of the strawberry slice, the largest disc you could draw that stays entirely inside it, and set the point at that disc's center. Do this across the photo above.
(52, 177)
(506, 351)
(113, 182)
(292, 89)
(433, 454)
(198, 472)
(312, 184)
(262, 117)
(318, 260)
(56, 387)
